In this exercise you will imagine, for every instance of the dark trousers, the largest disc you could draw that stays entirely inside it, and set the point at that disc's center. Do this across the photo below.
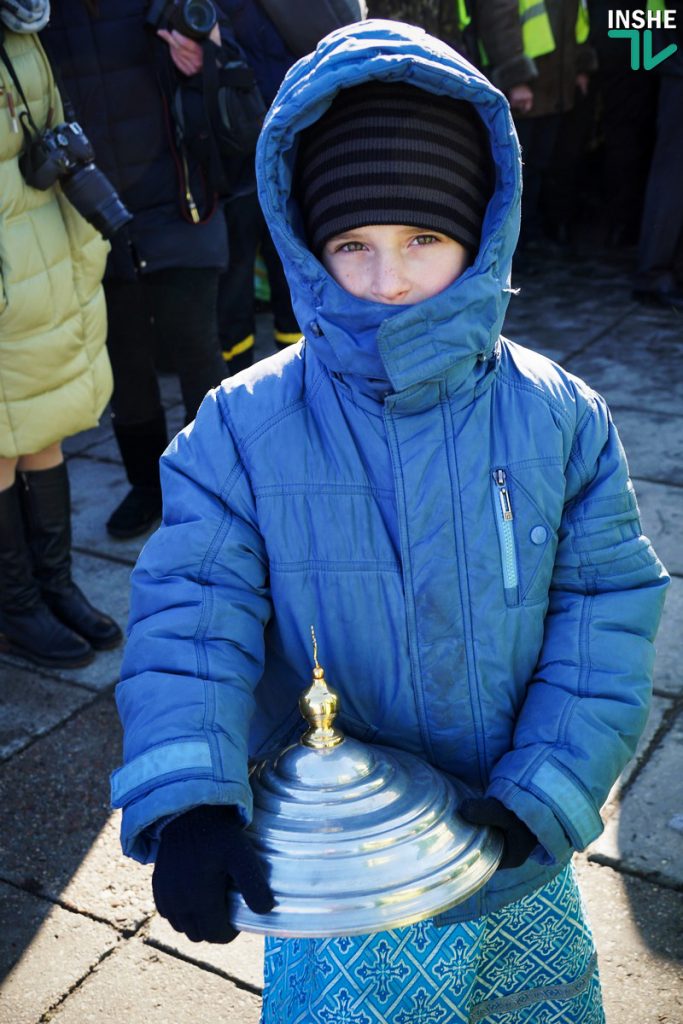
(660, 252)
(561, 199)
(176, 308)
(537, 136)
(247, 233)
(629, 103)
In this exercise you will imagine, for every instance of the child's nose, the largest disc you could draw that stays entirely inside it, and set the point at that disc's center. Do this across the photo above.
(389, 280)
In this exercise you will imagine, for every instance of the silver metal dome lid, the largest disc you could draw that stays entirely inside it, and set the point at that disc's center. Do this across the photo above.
(357, 838)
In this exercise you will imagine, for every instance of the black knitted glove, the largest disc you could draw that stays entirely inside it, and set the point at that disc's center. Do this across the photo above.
(202, 854)
(519, 841)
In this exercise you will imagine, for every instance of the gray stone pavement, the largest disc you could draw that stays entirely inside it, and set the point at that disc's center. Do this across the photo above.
(79, 938)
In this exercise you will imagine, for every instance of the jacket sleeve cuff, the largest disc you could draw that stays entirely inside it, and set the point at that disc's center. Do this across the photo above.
(152, 789)
(516, 71)
(554, 807)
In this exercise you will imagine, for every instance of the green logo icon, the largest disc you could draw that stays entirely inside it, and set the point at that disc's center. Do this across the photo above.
(650, 59)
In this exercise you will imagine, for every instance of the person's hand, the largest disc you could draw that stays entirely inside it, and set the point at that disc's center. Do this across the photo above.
(187, 54)
(521, 98)
(202, 854)
(518, 840)
(582, 81)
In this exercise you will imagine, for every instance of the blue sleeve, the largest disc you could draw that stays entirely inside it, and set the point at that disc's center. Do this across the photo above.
(587, 703)
(199, 606)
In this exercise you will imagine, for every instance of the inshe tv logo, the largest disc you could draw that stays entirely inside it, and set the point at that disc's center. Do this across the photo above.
(637, 27)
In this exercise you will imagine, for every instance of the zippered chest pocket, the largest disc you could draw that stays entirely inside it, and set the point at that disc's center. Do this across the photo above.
(526, 540)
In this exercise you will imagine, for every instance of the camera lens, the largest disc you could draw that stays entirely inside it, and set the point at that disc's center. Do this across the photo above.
(199, 17)
(93, 195)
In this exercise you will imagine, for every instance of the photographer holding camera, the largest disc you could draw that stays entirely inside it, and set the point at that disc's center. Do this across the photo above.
(132, 68)
(55, 378)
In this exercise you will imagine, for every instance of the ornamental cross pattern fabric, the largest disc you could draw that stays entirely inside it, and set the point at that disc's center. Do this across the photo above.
(533, 962)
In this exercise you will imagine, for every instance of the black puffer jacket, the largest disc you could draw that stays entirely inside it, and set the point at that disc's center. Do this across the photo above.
(116, 73)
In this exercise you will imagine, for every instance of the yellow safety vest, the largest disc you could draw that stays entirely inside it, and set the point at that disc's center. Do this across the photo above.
(464, 17)
(537, 35)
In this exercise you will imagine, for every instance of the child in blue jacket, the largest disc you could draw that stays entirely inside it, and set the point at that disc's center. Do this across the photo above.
(454, 513)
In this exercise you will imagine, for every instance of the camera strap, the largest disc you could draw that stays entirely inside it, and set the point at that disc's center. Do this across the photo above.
(26, 115)
(165, 74)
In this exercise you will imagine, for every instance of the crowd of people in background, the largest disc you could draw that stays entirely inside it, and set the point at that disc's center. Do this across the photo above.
(601, 144)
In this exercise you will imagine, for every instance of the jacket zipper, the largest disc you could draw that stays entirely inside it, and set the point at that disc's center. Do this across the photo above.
(504, 521)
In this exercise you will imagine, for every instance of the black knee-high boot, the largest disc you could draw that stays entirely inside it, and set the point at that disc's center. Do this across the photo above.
(141, 446)
(46, 504)
(27, 626)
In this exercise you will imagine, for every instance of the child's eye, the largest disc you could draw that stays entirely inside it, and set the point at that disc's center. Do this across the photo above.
(350, 247)
(425, 239)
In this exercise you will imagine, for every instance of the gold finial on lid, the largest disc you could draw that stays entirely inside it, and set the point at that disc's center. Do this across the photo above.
(318, 705)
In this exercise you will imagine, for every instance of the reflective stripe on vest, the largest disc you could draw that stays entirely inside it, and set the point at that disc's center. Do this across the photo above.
(464, 16)
(582, 22)
(537, 35)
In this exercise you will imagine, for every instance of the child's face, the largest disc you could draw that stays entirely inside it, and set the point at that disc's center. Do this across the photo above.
(394, 263)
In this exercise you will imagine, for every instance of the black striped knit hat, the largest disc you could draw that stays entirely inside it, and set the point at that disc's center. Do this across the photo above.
(390, 153)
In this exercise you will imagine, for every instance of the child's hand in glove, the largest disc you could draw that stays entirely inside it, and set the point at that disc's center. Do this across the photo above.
(518, 839)
(202, 854)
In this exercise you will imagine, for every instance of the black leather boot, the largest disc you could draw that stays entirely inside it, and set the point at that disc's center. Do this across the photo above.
(141, 446)
(27, 626)
(46, 505)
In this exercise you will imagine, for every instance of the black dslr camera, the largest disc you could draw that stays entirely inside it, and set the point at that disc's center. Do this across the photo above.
(64, 153)
(192, 18)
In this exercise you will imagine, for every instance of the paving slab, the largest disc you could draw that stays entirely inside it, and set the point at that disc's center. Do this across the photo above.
(58, 790)
(521, 326)
(638, 364)
(561, 328)
(645, 833)
(568, 281)
(87, 439)
(668, 677)
(96, 489)
(32, 705)
(637, 929)
(107, 585)
(241, 959)
(653, 443)
(44, 952)
(138, 984)
(659, 710)
(661, 513)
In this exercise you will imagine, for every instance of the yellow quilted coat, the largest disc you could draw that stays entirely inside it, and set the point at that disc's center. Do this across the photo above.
(55, 377)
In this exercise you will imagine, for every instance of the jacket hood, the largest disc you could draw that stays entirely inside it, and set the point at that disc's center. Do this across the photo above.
(447, 335)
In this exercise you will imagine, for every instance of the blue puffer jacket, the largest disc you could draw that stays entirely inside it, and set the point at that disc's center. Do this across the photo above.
(358, 482)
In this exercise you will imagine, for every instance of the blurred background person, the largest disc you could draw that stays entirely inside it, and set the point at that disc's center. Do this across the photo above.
(55, 378)
(538, 55)
(162, 275)
(272, 34)
(659, 271)
(627, 102)
(441, 18)
(267, 53)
